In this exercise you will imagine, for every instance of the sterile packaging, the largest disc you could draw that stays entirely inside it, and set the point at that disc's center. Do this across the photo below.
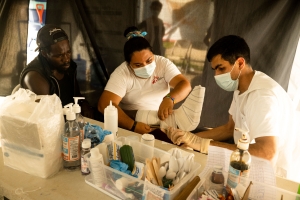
(31, 129)
(120, 185)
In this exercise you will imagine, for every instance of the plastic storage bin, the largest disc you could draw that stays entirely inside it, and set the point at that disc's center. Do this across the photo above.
(134, 188)
(258, 190)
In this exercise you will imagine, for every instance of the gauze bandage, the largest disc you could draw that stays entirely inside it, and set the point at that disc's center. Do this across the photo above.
(187, 116)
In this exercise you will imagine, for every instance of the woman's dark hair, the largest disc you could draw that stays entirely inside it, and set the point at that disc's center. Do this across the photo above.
(134, 44)
(230, 48)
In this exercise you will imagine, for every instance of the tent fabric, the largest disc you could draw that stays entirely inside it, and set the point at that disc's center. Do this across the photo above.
(271, 29)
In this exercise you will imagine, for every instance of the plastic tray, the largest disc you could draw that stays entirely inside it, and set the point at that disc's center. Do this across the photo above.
(258, 191)
(136, 188)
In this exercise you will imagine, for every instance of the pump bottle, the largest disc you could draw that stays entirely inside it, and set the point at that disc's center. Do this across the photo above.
(240, 161)
(111, 119)
(79, 118)
(71, 140)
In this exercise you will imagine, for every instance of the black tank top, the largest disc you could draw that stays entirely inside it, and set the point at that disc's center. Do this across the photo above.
(66, 90)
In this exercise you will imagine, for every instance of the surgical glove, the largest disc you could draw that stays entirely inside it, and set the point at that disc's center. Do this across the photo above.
(178, 136)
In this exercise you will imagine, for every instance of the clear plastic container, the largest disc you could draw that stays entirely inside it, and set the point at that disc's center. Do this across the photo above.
(258, 191)
(134, 188)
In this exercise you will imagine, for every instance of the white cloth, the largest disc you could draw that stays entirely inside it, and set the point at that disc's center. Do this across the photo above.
(265, 109)
(186, 117)
(142, 94)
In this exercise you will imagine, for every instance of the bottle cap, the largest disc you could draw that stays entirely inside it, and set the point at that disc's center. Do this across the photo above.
(95, 153)
(218, 168)
(86, 143)
(69, 113)
(243, 142)
(110, 108)
(76, 107)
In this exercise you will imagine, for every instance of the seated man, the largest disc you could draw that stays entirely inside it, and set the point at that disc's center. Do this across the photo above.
(53, 71)
(260, 106)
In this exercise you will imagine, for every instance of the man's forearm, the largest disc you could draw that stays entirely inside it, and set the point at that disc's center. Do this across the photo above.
(217, 134)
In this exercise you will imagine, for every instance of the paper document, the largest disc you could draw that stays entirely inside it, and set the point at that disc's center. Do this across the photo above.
(261, 172)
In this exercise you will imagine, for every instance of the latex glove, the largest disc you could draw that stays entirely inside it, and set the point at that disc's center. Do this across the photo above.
(178, 136)
(165, 108)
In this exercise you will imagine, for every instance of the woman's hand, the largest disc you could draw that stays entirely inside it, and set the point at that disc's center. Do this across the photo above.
(165, 108)
(142, 128)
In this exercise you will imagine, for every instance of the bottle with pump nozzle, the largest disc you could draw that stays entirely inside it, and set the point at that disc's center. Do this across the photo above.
(79, 118)
(71, 140)
(240, 161)
(111, 119)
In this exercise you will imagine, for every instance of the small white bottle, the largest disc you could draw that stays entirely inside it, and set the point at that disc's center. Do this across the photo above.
(71, 140)
(85, 149)
(111, 119)
(96, 167)
(79, 118)
(240, 161)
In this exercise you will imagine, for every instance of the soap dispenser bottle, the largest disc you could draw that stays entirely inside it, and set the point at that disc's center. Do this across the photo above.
(240, 161)
(79, 118)
(111, 119)
(71, 140)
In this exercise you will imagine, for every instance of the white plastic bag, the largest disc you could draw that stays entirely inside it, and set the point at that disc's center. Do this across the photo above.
(31, 132)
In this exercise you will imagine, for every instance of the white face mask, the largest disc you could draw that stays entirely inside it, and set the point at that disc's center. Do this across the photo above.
(146, 71)
(226, 83)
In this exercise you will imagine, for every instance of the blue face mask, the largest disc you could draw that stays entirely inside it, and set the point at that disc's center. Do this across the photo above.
(226, 83)
(146, 71)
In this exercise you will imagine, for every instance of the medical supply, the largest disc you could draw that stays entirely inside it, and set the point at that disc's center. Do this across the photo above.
(111, 119)
(96, 134)
(217, 180)
(96, 166)
(127, 156)
(31, 133)
(240, 161)
(103, 150)
(85, 149)
(79, 118)
(71, 140)
(114, 150)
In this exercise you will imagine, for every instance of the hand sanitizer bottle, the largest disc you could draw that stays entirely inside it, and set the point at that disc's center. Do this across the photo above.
(111, 119)
(79, 118)
(240, 161)
(71, 141)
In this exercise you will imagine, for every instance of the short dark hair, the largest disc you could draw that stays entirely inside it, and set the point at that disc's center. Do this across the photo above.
(230, 47)
(134, 44)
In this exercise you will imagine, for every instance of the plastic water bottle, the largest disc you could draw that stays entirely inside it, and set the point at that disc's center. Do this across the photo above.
(85, 149)
(111, 119)
(240, 161)
(96, 167)
(71, 140)
(79, 118)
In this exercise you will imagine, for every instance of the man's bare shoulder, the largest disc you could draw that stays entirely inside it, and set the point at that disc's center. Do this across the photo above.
(35, 82)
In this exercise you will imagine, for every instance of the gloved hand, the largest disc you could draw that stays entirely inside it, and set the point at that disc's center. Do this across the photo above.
(178, 136)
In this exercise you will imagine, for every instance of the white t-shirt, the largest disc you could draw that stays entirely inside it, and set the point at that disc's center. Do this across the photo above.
(265, 109)
(142, 94)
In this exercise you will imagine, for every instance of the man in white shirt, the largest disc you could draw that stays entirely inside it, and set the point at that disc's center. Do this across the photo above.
(260, 106)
